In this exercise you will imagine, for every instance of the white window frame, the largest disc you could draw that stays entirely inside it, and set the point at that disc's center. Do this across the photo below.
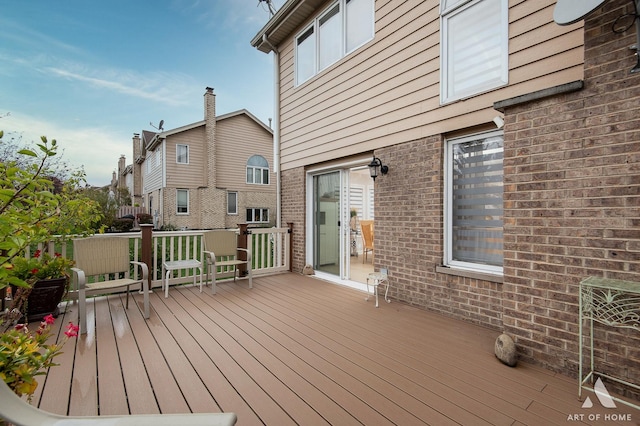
(178, 191)
(263, 211)
(186, 147)
(234, 204)
(448, 259)
(261, 171)
(335, 11)
(315, 27)
(452, 9)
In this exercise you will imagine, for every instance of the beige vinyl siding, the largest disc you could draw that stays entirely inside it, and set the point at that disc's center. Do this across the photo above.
(388, 91)
(187, 175)
(238, 138)
(153, 180)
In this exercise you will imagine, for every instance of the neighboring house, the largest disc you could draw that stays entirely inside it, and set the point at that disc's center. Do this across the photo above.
(513, 154)
(123, 179)
(214, 173)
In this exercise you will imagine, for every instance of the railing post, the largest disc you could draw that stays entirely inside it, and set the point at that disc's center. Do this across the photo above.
(147, 248)
(290, 254)
(242, 243)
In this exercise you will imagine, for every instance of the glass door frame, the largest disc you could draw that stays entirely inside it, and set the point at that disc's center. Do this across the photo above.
(345, 230)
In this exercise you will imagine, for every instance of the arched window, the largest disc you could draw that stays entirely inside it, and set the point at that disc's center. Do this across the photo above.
(258, 170)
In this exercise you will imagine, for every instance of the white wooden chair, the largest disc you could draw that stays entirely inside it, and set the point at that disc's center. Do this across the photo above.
(99, 257)
(19, 412)
(221, 249)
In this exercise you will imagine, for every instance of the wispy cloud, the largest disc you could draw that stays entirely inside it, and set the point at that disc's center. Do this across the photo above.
(159, 87)
(27, 38)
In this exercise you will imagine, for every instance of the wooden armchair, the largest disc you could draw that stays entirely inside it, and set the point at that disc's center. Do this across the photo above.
(98, 258)
(17, 411)
(220, 250)
(366, 226)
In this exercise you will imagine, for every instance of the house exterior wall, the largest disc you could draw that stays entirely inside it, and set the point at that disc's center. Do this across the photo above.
(571, 169)
(409, 237)
(293, 211)
(186, 175)
(240, 138)
(388, 90)
(219, 148)
(152, 170)
(572, 186)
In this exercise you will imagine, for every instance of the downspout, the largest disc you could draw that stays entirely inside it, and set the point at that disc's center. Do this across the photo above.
(276, 127)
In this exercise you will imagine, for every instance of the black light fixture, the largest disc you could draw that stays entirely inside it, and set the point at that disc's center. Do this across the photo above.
(375, 165)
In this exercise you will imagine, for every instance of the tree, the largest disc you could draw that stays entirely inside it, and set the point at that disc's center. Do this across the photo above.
(13, 144)
(34, 207)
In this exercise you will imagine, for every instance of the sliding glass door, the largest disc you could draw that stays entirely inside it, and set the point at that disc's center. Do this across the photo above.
(331, 223)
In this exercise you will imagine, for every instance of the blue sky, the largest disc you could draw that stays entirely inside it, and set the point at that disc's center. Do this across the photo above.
(90, 74)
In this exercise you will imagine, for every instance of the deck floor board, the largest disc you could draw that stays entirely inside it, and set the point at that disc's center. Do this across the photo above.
(297, 350)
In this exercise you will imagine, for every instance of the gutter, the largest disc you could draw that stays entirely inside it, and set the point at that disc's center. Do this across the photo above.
(276, 127)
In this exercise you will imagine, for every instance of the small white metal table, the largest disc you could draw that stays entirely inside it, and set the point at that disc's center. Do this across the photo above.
(374, 279)
(175, 265)
(611, 302)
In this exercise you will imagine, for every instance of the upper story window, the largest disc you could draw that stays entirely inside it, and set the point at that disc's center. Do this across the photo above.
(337, 31)
(474, 202)
(474, 47)
(182, 154)
(258, 170)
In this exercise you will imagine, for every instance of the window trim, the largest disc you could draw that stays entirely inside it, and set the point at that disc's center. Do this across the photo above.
(178, 212)
(447, 258)
(236, 213)
(263, 171)
(486, 86)
(178, 153)
(253, 210)
(315, 27)
(326, 14)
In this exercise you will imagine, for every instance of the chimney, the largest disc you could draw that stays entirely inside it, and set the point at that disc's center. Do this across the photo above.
(136, 191)
(210, 134)
(209, 103)
(137, 151)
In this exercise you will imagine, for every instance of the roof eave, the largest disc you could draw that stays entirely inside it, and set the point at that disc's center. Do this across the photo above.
(286, 20)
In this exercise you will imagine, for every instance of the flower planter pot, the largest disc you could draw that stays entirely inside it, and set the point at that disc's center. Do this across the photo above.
(45, 297)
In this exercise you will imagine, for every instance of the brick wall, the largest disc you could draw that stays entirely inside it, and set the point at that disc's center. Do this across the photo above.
(409, 234)
(293, 210)
(252, 199)
(213, 205)
(572, 185)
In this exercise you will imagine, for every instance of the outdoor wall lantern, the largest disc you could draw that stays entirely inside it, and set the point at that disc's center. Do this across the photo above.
(376, 165)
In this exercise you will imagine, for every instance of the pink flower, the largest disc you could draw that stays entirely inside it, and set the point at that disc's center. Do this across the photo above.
(49, 319)
(37, 253)
(72, 330)
(34, 271)
(19, 326)
(57, 255)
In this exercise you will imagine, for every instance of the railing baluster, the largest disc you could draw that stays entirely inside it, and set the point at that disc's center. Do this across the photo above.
(269, 250)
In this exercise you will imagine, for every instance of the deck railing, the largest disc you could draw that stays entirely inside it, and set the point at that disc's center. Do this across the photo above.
(269, 247)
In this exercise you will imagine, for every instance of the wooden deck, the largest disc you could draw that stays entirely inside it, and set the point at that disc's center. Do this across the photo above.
(298, 350)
